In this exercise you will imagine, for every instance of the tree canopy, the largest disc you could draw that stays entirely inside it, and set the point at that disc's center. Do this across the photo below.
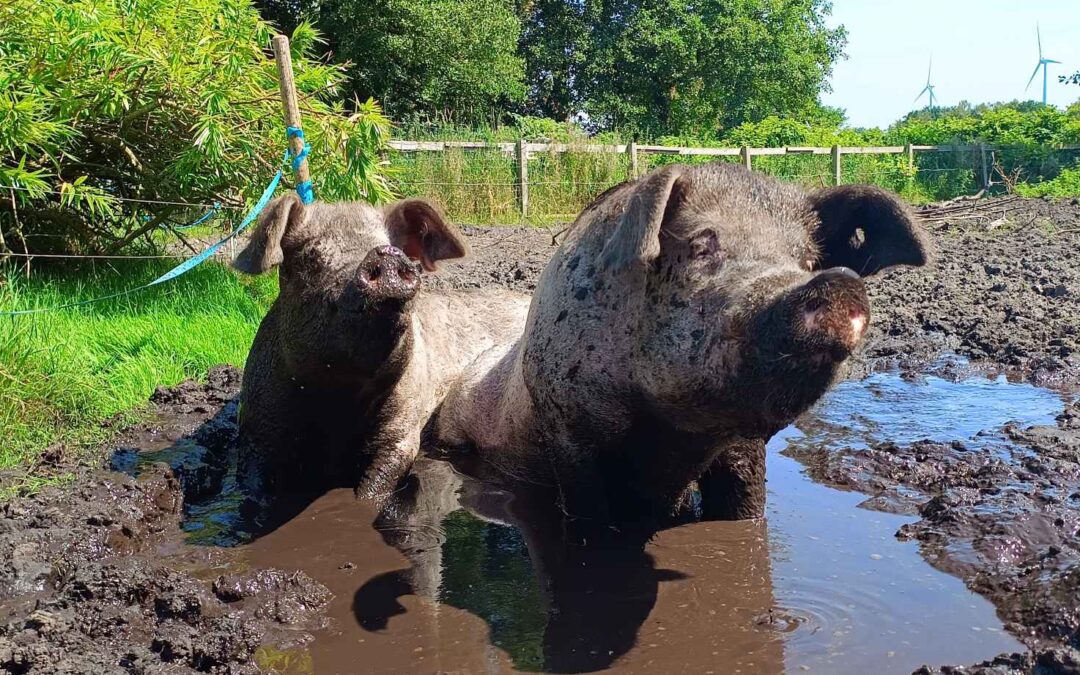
(103, 101)
(422, 59)
(649, 66)
(698, 67)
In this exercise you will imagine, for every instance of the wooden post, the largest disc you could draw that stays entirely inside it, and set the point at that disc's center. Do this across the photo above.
(289, 103)
(985, 167)
(523, 177)
(631, 150)
(838, 177)
(910, 152)
(747, 162)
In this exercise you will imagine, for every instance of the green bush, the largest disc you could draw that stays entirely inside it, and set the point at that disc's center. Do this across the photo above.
(1067, 184)
(102, 100)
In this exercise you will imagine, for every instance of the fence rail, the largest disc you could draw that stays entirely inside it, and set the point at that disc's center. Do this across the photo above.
(511, 147)
(518, 154)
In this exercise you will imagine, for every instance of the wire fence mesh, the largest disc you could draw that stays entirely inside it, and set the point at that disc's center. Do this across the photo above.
(483, 185)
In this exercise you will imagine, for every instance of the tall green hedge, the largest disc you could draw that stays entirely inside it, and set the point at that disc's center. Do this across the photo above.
(107, 100)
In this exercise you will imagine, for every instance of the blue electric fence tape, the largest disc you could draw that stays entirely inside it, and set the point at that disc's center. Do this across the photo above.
(184, 267)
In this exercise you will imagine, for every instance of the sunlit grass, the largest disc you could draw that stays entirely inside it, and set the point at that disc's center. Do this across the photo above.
(481, 186)
(64, 372)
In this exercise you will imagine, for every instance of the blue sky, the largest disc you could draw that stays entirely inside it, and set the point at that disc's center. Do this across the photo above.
(983, 51)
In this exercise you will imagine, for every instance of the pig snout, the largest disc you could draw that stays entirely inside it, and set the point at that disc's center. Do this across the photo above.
(831, 313)
(386, 273)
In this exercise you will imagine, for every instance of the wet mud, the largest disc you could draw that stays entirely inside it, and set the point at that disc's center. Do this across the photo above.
(927, 512)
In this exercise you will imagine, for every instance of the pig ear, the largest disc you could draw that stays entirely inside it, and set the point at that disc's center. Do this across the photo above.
(637, 236)
(419, 230)
(867, 229)
(264, 249)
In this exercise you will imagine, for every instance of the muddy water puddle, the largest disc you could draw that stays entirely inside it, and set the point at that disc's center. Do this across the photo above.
(462, 576)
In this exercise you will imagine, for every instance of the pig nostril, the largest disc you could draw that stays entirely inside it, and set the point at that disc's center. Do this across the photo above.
(374, 273)
(813, 305)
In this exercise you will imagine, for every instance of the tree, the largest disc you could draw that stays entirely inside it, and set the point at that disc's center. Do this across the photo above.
(451, 60)
(104, 101)
(555, 45)
(685, 67)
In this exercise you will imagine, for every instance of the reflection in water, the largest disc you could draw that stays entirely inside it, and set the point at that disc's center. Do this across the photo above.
(863, 600)
(848, 595)
(477, 578)
(581, 600)
(510, 599)
(884, 407)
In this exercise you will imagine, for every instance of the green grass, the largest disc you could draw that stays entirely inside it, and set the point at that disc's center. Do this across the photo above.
(1067, 184)
(480, 186)
(64, 372)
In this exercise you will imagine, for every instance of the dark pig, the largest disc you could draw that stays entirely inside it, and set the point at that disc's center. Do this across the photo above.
(353, 356)
(686, 318)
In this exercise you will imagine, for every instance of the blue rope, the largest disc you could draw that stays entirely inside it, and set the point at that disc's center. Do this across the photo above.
(304, 189)
(182, 268)
(202, 219)
(306, 192)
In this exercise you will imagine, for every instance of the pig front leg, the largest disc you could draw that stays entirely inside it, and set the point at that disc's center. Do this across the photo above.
(388, 467)
(733, 487)
(392, 451)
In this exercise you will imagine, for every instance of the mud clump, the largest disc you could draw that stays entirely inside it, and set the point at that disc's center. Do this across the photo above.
(1004, 516)
(290, 598)
(509, 257)
(84, 587)
(1059, 661)
(1005, 293)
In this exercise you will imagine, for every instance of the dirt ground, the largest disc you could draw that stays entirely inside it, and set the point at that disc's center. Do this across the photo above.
(84, 589)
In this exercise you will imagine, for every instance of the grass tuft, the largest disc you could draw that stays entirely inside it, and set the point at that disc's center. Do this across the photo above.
(63, 373)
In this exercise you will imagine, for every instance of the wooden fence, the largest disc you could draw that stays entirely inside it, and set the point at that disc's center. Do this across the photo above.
(521, 151)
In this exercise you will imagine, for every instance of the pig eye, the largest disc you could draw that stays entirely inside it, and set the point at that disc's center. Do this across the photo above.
(706, 245)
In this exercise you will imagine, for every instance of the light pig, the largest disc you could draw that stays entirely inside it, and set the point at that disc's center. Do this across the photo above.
(686, 318)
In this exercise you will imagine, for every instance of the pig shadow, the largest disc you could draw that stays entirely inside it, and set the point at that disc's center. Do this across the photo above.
(558, 596)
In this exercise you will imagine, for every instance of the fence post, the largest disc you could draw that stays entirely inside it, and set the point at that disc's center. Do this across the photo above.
(523, 177)
(910, 152)
(289, 103)
(747, 162)
(985, 168)
(631, 150)
(837, 175)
